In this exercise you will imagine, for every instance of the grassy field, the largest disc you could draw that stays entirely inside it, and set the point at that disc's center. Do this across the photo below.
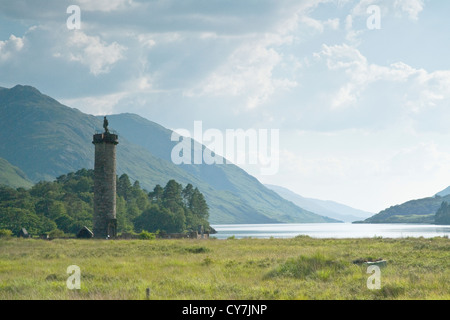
(299, 268)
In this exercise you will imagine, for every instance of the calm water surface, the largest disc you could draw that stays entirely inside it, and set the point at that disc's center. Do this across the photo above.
(330, 230)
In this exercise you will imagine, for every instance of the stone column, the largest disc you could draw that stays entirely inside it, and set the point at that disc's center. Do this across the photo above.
(105, 223)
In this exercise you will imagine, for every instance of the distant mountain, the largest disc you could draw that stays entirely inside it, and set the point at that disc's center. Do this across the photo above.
(13, 176)
(327, 208)
(444, 192)
(414, 211)
(46, 139)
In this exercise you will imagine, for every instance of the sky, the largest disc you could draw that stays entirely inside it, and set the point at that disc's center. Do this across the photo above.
(360, 96)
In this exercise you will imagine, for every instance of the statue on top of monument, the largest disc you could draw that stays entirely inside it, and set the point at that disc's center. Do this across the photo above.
(105, 124)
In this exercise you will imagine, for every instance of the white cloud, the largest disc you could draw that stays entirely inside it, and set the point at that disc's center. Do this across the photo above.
(356, 21)
(420, 89)
(344, 97)
(10, 47)
(352, 35)
(312, 23)
(360, 9)
(318, 25)
(96, 105)
(248, 72)
(252, 71)
(333, 23)
(104, 5)
(411, 7)
(146, 40)
(92, 52)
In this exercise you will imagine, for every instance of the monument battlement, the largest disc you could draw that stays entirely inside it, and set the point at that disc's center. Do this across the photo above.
(105, 137)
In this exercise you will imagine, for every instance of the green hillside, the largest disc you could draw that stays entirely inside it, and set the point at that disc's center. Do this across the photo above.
(46, 139)
(414, 211)
(13, 176)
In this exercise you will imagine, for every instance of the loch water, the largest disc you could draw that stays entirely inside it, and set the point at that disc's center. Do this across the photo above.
(329, 230)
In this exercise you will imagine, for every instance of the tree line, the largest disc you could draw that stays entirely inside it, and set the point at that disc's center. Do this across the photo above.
(67, 204)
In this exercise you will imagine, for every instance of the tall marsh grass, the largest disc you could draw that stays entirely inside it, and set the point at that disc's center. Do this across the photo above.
(298, 268)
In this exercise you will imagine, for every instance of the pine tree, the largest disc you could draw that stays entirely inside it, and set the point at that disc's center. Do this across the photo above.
(172, 198)
(156, 195)
(124, 186)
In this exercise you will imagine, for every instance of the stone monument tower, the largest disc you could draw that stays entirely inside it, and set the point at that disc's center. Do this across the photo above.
(105, 223)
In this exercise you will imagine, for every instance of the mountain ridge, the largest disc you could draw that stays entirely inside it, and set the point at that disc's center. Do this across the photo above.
(444, 192)
(45, 139)
(328, 208)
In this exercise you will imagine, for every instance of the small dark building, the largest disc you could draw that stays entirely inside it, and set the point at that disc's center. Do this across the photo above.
(85, 233)
(23, 233)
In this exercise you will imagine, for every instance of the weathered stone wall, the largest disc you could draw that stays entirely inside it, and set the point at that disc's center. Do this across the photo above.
(105, 186)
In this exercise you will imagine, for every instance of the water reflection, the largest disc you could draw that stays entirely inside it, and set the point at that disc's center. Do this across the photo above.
(330, 230)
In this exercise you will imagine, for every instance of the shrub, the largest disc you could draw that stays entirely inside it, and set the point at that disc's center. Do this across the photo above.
(56, 233)
(5, 233)
(145, 235)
